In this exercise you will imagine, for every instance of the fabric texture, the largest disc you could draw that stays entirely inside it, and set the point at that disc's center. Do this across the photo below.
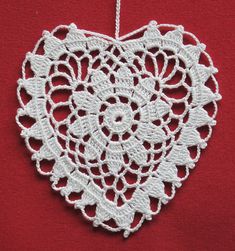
(201, 216)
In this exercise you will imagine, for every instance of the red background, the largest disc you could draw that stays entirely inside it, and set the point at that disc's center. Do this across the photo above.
(33, 217)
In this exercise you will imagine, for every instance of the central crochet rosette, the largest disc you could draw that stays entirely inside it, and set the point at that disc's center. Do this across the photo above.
(114, 119)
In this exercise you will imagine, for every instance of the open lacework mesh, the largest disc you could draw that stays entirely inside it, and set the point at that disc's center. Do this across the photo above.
(121, 123)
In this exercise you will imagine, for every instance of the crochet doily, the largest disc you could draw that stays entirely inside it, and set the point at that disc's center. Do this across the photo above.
(120, 121)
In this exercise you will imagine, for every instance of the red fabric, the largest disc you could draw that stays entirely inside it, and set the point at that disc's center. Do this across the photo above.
(33, 217)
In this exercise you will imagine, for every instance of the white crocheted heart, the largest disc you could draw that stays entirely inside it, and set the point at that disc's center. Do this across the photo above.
(134, 113)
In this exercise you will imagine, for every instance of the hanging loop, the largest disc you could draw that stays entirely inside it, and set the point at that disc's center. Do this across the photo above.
(117, 20)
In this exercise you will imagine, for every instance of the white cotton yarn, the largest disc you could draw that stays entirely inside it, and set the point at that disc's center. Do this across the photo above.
(121, 116)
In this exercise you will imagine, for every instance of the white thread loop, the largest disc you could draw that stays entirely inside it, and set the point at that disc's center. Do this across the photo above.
(117, 20)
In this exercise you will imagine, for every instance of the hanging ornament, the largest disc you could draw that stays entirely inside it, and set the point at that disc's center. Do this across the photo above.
(136, 111)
